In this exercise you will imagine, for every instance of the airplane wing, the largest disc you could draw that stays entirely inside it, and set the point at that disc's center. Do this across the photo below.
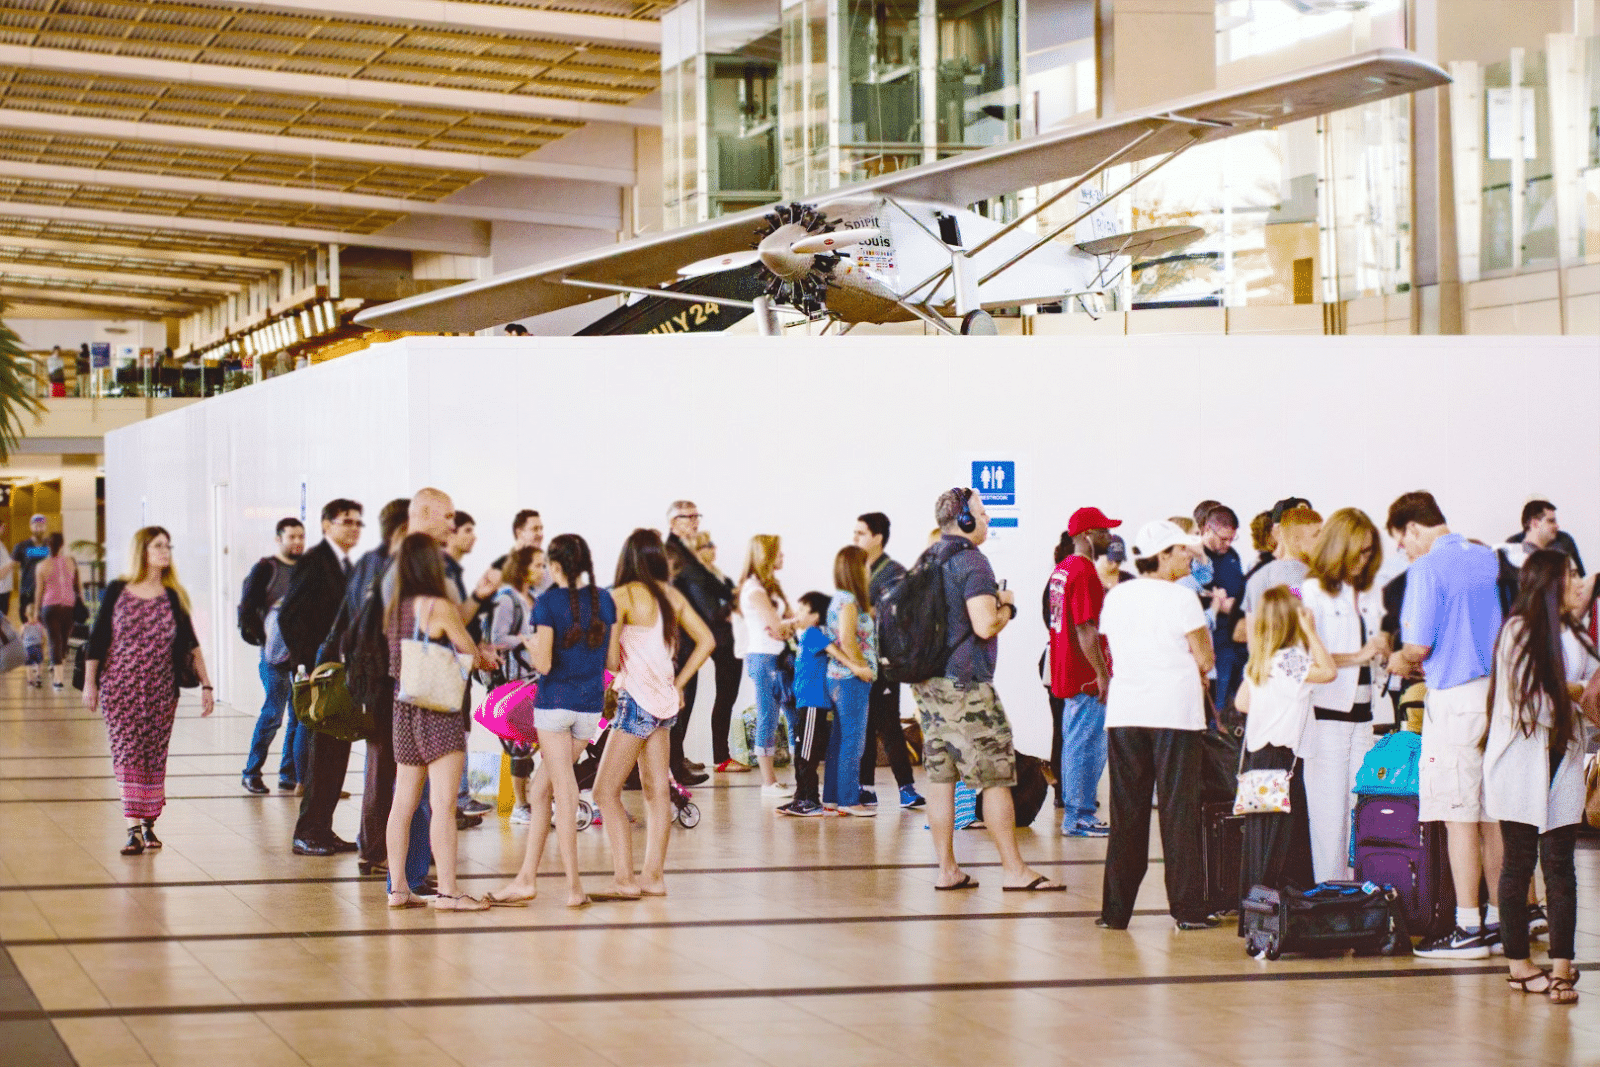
(1047, 157)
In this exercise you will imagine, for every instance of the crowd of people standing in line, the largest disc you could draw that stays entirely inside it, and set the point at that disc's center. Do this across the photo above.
(1303, 644)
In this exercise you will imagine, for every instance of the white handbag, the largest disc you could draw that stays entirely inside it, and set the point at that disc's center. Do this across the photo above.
(432, 676)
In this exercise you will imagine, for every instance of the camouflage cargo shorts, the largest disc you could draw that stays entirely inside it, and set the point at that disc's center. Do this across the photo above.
(965, 735)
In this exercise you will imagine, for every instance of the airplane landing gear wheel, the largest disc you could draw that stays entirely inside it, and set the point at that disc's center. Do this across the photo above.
(978, 324)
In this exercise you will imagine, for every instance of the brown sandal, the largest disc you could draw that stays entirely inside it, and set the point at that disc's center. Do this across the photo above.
(1561, 991)
(459, 902)
(1520, 985)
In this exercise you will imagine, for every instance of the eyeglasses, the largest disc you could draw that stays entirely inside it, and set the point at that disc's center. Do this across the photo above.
(357, 523)
(686, 515)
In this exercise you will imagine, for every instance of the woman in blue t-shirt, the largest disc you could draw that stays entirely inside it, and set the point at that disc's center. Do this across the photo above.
(571, 634)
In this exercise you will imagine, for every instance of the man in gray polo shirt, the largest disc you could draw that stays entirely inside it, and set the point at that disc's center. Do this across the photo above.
(965, 735)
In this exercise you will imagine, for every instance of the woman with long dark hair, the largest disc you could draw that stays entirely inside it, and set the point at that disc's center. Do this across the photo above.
(141, 647)
(429, 746)
(56, 578)
(572, 624)
(852, 668)
(1533, 773)
(652, 619)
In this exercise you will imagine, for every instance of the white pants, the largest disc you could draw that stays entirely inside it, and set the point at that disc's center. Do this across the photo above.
(1332, 752)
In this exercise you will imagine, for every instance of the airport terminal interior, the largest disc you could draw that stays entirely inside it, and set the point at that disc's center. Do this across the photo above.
(1116, 558)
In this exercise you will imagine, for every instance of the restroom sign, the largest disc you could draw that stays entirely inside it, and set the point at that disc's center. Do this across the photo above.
(996, 482)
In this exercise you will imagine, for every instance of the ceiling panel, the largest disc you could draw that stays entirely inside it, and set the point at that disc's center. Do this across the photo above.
(153, 237)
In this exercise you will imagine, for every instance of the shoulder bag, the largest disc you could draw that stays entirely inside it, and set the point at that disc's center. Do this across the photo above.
(1261, 792)
(432, 676)
(322, 701)
(12, 654)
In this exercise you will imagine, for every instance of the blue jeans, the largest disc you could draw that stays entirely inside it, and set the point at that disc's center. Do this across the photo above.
(841, 778)
(1231, 659)
(763, 670)
(1083, 758)
(276, 679)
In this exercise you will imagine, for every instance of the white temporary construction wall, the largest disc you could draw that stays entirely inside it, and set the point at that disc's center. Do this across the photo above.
(797, 436)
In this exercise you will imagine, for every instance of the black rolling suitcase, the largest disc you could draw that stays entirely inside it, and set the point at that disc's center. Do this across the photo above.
(1328, 919)
(1222, 855)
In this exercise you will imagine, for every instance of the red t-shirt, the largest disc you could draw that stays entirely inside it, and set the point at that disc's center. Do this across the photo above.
(1075, 595)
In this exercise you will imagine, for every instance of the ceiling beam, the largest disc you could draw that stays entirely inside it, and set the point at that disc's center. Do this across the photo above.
(46, 296)
(47, 172)
(109, 277)
(480, 18)
(42, 244)
(55, 309)
(285, 144)
(264, 80)
(460, 247)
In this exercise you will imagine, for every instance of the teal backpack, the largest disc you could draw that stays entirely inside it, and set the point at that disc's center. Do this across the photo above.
(1391, 767)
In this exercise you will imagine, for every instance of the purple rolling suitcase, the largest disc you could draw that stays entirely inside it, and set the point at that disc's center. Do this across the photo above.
(1392, 848)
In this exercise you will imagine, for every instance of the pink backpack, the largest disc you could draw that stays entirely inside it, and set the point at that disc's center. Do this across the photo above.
(507, 712)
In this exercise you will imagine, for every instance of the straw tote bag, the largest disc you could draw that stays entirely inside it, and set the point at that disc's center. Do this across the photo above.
(432, 676)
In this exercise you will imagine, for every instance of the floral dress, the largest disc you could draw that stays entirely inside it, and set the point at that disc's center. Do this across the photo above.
(866, 634)
(420, 736)
(139, 699)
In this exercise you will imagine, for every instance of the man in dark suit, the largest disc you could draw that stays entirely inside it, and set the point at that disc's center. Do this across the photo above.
(316, 589)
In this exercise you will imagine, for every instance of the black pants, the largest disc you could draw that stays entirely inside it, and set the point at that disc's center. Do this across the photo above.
(1140, 758)
(58, 622)
(1525, 847)
(810, 749)
(377, 797)
(729, 671)
(1277, 848)
(5, 603)
(1058, 708)
(325, 771)
(883, 722)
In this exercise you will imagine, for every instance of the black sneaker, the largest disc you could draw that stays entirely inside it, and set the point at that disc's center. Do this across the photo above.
(867, 798)
(474, 807)
(1538, 922)
(1106, 924)
(1491, 937)
(1458, 944)
(804, 809)
(1210, 922)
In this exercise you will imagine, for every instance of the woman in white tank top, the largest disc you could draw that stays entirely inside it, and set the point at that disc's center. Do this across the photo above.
(652, 617)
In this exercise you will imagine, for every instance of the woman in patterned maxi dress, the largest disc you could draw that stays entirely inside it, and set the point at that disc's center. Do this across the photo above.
(131, 675)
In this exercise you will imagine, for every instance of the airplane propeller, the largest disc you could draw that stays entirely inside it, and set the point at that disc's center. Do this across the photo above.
(797, 256)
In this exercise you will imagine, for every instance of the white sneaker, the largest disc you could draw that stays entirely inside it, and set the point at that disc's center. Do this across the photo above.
(522, 814)
(860, 811)
(777, 789)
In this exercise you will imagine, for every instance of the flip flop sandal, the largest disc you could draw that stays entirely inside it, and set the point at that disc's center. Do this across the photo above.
(584, 903)
(1035, 886)
(652, 893)
(967, 882)
(409, 902)
(506, 902)
(614, 896)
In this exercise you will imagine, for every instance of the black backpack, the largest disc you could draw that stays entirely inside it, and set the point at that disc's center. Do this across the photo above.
(913, 642)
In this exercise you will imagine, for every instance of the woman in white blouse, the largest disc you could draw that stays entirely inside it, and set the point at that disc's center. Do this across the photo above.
(1533, 773)
(1347, 610)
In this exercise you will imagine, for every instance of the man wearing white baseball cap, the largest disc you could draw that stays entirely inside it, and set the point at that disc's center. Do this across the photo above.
(1161, 645)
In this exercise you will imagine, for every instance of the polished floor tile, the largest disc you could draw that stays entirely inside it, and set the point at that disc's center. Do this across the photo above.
(782, 941)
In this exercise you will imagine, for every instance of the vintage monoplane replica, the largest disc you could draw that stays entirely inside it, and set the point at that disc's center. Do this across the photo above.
(905, 245)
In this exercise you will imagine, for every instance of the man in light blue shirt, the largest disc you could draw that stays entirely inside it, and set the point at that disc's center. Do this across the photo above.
(1448, 623)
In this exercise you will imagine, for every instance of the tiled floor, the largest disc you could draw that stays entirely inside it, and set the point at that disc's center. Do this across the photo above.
(783, 941)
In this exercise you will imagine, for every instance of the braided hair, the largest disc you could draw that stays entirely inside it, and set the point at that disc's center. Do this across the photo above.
(571, 553)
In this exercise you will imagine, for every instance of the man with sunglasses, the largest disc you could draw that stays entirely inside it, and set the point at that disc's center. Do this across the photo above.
(316, 588)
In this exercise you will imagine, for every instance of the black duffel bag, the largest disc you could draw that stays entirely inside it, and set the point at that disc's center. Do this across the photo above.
(1330, 918)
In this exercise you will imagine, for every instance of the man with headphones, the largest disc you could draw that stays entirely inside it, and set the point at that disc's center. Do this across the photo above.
(966, 736)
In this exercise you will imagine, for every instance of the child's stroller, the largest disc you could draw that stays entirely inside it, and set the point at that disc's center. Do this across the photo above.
(686, 813)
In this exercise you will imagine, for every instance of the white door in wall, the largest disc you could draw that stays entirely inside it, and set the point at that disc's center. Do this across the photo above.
(225, 597)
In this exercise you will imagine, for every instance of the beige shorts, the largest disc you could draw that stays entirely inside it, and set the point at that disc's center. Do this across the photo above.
(1454, 723)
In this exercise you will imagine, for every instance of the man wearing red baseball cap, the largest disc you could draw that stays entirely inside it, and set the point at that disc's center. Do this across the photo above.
(1080, 671)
